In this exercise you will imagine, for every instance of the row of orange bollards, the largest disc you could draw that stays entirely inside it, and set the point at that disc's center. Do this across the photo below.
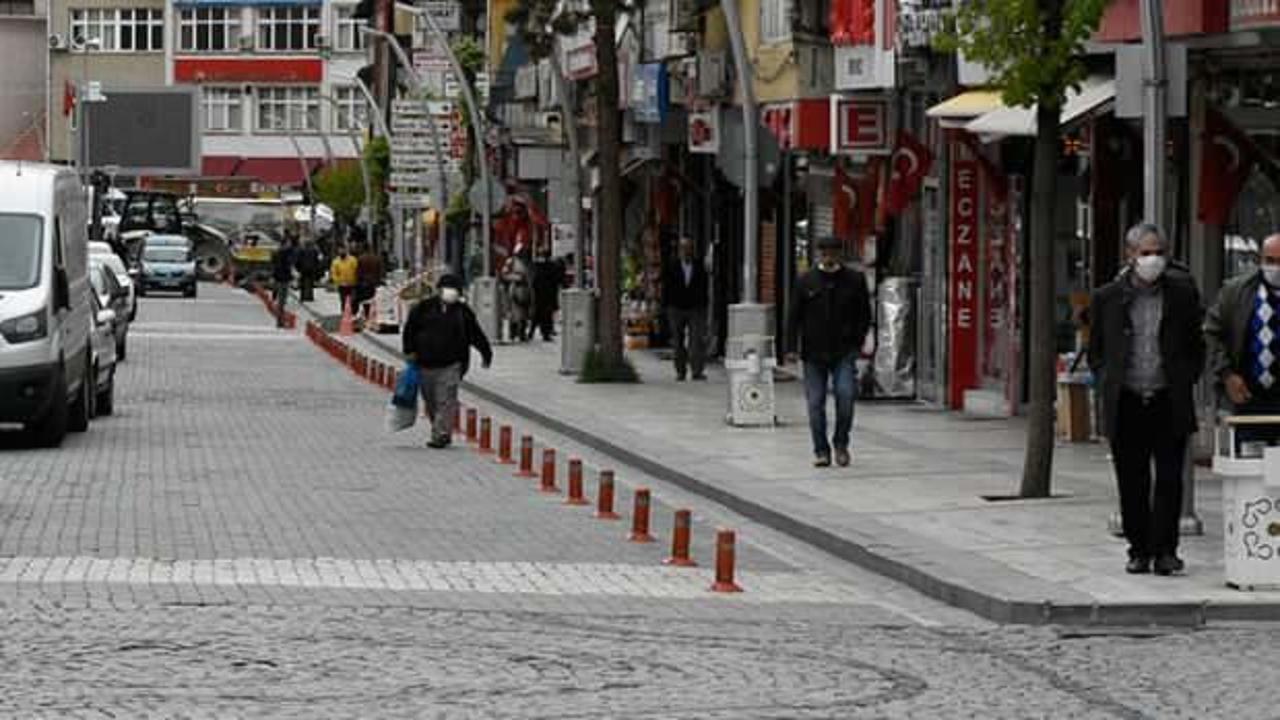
(290, 318)
(478, 431)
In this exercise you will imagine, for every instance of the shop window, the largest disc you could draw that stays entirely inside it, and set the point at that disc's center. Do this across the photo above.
(775, 21)
(288, 28)
(223, 109)
(119, 30)
(209, 29)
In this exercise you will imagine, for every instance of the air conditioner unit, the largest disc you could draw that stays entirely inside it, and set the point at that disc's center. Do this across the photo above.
(246, 42)
(58, 41)
(321, 42)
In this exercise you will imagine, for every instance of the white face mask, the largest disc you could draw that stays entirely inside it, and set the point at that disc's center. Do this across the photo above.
(449, 295)
(1149, 267)
(1271, 273)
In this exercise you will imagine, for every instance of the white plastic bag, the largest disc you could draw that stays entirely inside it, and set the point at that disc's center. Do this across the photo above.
(399, 418)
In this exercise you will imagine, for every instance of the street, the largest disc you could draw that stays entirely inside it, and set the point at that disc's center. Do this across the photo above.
(244, 539)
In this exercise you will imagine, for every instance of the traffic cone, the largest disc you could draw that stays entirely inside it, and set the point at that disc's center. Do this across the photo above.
(346, 328)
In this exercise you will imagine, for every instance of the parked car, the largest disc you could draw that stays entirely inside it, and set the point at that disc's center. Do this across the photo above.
(166, 267)
(46, 379)
(102, 254)
(111, 295)
(103, 350)
(168, 241)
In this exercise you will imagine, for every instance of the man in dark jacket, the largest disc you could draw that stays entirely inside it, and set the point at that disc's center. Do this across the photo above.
(548, 278)
(282, 273)
(308, 264)
(1147, 352)
(685, 291)
(830, 316)
(438, 336)
(369, 274)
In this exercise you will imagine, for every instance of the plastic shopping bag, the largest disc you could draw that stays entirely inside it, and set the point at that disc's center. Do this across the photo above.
(406, 394)
(400, 418)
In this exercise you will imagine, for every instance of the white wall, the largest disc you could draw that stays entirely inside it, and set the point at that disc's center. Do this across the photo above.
(24, 55)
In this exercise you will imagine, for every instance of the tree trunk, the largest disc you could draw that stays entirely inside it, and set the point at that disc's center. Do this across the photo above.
(1037, 470)
(609, 147)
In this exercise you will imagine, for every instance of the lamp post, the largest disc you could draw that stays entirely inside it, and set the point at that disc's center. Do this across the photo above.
(364, 161)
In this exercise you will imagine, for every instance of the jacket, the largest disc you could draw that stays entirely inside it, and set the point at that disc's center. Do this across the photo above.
(441, 334)
(681, 295)
(343, 271)
(831, 314)
(307, 261)
(369, 270)
(1226, 327)
(1182, 348)
(282, 264)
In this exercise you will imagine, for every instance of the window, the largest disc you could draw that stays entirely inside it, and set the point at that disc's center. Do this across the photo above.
(351, 111)
(20, 251)
(119, 30)
(17, 7)
(223, 109)
(775, 20)
(209, 29)
(347, 32)
(282, 109)
(288, 28)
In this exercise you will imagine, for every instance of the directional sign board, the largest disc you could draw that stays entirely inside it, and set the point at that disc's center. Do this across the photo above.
(420, 144)
(448, 15)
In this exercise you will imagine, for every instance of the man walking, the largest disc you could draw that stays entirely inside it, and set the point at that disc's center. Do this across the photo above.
(685, 292)
(308, 264)
(1242, 331)
(282, 273)
(342, 273)
(438, 336)
(830, 317)
(1147, 352)
(369, 275)
(548, 278)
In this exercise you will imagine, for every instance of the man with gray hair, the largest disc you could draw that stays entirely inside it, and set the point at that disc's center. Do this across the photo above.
(1147, 352)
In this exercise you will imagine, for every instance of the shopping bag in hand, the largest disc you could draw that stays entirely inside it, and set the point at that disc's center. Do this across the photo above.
(400, 418)
(406, 394)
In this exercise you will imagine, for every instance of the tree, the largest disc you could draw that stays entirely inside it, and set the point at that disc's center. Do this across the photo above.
(534, 17)
(341, 187)
(1034, 50)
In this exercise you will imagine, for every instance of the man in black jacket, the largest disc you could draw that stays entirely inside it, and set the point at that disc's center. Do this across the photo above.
(1146, 351)
(308, 264)
(438, 336)
(548, 279)
(685, 292)
(282, 273)
(830, 316)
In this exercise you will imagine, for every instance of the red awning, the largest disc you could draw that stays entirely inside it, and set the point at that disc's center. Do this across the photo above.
(219, 165)
(276, 171)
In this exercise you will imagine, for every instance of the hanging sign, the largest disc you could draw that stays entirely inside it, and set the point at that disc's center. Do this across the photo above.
(963, 277)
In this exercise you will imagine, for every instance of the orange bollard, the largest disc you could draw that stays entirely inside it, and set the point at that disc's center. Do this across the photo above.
(604, 501)
(347, 327)
(724, 563)
(575, 484)
(640, 518)
(526, 458)
(549, 471)
(681, 536)
(504, 445)
(457, 419)
(486, 436)
(471, 425)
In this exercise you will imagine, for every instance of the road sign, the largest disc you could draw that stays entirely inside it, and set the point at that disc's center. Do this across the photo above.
(448, 15)
(410, 201)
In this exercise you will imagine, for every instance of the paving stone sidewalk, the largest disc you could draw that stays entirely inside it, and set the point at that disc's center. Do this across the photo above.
(913, 506)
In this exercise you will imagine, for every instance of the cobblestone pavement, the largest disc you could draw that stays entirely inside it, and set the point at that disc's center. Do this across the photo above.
(243, 540)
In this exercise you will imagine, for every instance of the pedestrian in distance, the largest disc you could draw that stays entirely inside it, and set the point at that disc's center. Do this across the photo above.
(282, 274)
(684, 293)
(342, 273)
(438, 337)
(1146, 351)
(308, 266)
(1242, 333)
(548, 279)
(369, 274)
(830, 317)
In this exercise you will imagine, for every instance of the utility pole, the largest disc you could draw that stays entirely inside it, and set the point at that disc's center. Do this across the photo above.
(751, 184)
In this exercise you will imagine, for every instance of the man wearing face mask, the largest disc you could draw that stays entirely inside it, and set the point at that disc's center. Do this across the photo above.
(830, 317)
(438, 336)
(1147, 352)
(1242, 330)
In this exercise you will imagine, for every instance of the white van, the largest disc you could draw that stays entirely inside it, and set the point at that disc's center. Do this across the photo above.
(45, 361)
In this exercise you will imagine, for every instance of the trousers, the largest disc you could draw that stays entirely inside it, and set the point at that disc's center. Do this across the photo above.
(1143, 437)
(440, 398)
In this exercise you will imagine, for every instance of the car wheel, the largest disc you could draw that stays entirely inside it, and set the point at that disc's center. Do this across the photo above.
(50, 430)
(82, 409)
(190, 292)
(106, 400)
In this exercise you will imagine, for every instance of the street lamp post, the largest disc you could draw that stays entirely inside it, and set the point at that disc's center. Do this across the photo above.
(364, 161)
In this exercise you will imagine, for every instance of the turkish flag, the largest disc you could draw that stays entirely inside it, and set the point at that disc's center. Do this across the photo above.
(1227, 157)
(910, 164)
(838, 20)
(845, 204)
(853, 22)
(68, 98)
(869, 196)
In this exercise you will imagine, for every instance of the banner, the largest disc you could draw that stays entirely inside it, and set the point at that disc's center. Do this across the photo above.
(911, 164)
(963, 278)
(1226, 160)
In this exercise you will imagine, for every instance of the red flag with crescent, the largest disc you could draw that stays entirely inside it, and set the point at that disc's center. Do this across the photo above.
(1227, 157)
(844, 205)
(910, 164)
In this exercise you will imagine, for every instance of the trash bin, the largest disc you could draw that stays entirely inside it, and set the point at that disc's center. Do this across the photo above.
(1250, 473)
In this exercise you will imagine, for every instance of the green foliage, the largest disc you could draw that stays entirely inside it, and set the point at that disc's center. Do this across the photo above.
(459, 212)
(596, 368)
(378, 152)
(1031, 58)
(341, 187)
(470, 54)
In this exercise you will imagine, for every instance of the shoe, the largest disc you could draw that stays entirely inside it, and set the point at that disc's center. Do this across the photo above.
(1138, 566)
(680, 377)
(439, 443)
(822, 460)
(843, 458)
(699, 376)
(1169, 565)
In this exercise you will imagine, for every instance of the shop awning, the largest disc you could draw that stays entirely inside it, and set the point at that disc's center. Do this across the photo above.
(277, 171)
(1094, 93)
(219, 165)
(959, 110)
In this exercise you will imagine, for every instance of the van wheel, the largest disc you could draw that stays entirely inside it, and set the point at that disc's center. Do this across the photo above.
(50, 430)
(82, 409)
(106, 400)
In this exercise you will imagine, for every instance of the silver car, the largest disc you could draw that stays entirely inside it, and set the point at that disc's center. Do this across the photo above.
(102, 344)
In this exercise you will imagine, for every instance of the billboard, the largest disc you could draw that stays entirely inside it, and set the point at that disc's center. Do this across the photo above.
(143, 131)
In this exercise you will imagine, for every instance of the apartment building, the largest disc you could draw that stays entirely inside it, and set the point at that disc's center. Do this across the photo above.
(23, 78)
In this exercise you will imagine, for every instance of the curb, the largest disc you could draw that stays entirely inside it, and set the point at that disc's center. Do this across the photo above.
(964, 596)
